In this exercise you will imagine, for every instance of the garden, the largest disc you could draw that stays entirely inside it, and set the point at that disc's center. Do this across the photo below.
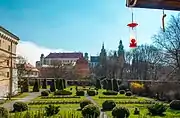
(61, 101)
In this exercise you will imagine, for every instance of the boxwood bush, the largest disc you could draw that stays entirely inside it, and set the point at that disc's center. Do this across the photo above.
(122, 91)
(128, 93)
(62, 92)
(79, 93)
(84, 103)
(91, 111)
(44, 93)
(91, 92)
(157, 109)
(108, 105)
(4, 113)
(175, 104)
(110, 92)
(20, 106)
(120, 112)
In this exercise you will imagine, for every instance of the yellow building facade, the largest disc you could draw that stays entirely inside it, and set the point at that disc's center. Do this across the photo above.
(8, 72)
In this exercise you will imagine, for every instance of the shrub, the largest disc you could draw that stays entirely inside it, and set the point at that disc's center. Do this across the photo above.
(70, 89)
(136, 111)
(91, 111)
(110, 93)
(84, 103)
(52, 110)
(36, 86)
(44, 93)
(122, 91)
(137, 88)
(20, 106)
(80, 93)
(4, 113)
(91, 92)
(128, 93)
(62, 92)
(120, 112)
(175, 104)
(108, 105)
(157, 109)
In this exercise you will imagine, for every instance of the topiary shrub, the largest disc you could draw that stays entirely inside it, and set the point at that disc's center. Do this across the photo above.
(91, 92)
(52, 86)
(4, 113)
(44, 84)
(52, 110)
(36, 86)
(44, 93)
(122, 92)
(175, 104)
(80, 93)
(84, 103)
(91, 111)
(128, 93)
(110, 92)
(157, 109)
(136, 111)
(20, 106)
(62, 92)
(120, 112)
(108, 105)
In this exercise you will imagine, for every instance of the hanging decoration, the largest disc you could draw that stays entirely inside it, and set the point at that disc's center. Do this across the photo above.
(163, 20)
(133, 40)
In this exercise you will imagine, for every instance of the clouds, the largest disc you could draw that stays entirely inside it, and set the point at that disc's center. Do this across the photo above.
(32, 51)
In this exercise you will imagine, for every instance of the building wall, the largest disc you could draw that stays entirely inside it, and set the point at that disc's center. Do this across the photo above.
(49, 61)
(6, 38)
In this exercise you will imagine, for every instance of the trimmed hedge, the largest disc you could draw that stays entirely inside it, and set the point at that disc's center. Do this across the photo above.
(80, 93)
(108, 105)
(52, 102)
(120, 112)
(84, 103)
(91, 92)
(122, 91)
(175, 104)
(45, 93)
(128, 93)
(110, 92)
(91, 111)
(57, 97)
(136, 102)
(62, 92)
(20, 106)
(118, 97)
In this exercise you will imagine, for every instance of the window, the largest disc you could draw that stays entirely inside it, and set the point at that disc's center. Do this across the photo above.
(7, 62)
(7, 74)
(9, 48)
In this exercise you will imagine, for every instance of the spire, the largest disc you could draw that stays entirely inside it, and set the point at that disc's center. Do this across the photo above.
(120, 48)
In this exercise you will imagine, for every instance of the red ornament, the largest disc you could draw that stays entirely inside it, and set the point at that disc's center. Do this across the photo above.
(133, 43)
(132, 25)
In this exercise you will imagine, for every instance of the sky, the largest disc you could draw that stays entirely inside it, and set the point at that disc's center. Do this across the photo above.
(45, 26)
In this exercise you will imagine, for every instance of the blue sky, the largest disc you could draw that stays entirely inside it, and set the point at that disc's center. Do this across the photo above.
(77, 25)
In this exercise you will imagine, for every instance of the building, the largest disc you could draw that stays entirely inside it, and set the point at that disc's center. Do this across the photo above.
(82, 68)
(32, 72)
(94, 61)
(8, 71)
(61, 58)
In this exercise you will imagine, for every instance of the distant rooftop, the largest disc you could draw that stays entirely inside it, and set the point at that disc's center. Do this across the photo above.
(94, 58)
(65, 55)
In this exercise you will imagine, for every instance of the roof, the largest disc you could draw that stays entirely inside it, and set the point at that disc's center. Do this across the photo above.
(65, 55)
(94, 58)
(82, 60)
(8, 33)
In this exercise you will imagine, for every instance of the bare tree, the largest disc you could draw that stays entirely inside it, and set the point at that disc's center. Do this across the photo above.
(169, 42)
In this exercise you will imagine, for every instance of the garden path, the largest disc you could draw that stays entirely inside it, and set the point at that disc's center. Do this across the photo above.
(31, 96)
(102, 114)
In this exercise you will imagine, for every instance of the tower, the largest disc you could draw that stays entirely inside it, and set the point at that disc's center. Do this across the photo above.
(42, 59)
(86, 56)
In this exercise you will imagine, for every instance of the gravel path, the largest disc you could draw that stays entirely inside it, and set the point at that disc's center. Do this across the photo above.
(102, 114)
(31, 96)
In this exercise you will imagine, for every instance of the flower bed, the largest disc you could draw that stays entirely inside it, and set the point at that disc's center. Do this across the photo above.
(113, 97)
(52, 102)
(57, 97)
